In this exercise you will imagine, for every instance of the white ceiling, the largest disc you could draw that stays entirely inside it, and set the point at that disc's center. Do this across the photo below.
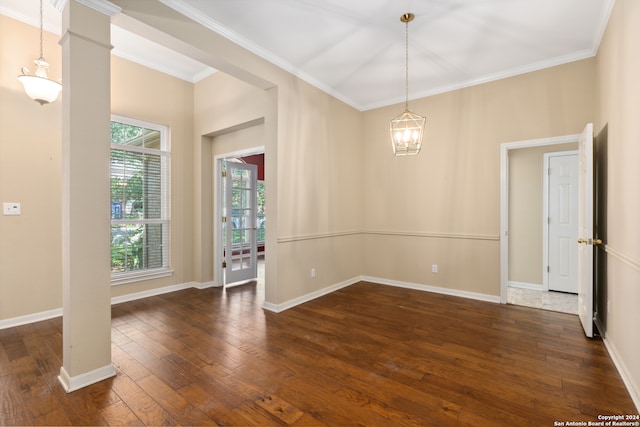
(354, 49)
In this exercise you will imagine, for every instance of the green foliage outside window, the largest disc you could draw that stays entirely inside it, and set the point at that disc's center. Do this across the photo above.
(136, 198)
(261, 218)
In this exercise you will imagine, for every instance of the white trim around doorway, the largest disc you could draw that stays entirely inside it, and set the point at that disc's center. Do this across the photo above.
(504, 198)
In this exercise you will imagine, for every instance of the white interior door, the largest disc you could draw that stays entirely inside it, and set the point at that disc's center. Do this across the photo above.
(585, 230)
(562, 222)
(239, 222)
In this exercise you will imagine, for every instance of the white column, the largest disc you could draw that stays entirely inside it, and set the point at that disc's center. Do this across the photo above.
(86, 113)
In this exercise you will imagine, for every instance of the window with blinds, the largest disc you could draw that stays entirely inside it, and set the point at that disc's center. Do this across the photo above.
(139, 200)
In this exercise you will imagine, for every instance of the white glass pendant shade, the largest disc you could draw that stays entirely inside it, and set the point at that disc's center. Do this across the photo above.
(407, 131)
(39, 87)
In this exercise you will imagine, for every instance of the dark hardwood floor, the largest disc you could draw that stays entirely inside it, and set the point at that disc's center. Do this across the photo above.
(365, 355)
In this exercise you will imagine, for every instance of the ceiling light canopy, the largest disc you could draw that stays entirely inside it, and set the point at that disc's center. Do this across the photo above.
(407, 129)
(38, 86)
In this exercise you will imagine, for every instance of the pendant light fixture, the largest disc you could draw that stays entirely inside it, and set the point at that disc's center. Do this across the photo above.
(38, 86)
(407, 129)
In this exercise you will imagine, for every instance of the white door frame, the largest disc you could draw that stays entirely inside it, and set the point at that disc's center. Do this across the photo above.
(504, 198)
(546, 207)
(218, 183)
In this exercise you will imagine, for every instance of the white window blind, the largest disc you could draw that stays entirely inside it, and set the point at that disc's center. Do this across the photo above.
(140, 220)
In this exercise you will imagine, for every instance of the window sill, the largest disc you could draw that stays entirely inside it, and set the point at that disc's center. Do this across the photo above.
(124, 278)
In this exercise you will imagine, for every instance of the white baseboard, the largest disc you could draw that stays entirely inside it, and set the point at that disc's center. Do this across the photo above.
(525, 285)
(434, 289)
(152, 292)
(50, 314)
(79, 381)
(205, 285)
(277, 308)
(633, 389)
(30, 318)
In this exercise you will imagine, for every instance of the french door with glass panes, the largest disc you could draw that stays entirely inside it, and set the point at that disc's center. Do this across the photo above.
(239, 222)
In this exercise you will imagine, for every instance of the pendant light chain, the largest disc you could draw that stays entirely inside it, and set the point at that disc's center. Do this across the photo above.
(41, 33)
(406, 65)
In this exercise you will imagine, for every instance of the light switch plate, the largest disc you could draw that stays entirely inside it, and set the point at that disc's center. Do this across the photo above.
(11, 208)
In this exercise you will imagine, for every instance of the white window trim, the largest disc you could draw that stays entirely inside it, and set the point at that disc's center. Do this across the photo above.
(140, 275)
(121, 278)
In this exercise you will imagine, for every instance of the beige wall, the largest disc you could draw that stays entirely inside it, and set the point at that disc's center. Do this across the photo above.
(30, 173)
(337, 200)
(618, 109)
(316, 193)
(30, 170)
(229, 116)
(526, 191)
(319, 193)
(329, 187)
(145, 94)
(443, 206)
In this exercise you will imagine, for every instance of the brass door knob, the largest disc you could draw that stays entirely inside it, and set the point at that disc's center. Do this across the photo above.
(597, 242)
(582, 240)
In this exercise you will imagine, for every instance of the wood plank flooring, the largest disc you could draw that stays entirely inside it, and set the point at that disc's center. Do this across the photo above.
(367, 355)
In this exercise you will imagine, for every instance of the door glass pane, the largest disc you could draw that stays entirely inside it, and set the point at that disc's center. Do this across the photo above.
(241, 222)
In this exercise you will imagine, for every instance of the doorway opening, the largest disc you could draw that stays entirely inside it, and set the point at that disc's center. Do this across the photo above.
(525, 244)
(240, 220)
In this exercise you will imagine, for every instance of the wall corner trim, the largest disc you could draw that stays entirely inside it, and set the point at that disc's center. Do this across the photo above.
(277, 308)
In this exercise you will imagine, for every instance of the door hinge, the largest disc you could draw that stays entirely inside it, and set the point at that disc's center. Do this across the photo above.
(548, 220)
(224, 264)
(224, 219)
(224, 174)
(548, 269)
(548, 171)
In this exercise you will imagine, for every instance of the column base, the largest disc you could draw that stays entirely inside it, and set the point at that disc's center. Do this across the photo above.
(79, 381)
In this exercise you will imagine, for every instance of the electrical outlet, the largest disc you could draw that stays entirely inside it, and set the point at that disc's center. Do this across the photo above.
(434, 268)
(313, 273)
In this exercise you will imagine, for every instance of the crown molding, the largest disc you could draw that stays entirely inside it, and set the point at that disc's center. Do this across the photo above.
(607, 8)
(59, 4)
(204, 20)
(536, 66)
(102, 6)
